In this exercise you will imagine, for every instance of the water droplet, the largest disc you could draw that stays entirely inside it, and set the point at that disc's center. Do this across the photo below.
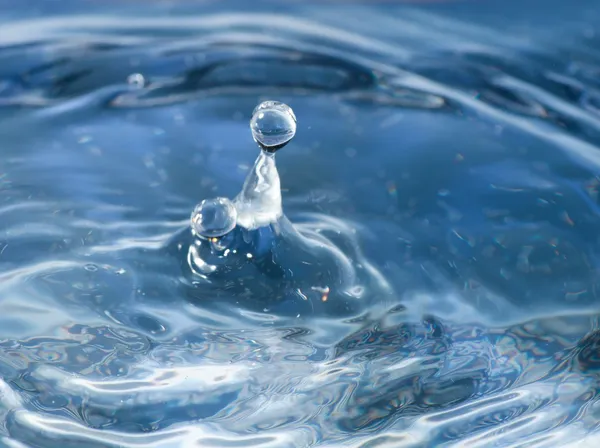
(136, 80)
(213, 218)
(273, 125)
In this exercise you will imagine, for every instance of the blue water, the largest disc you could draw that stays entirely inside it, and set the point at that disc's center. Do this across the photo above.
(450, 150)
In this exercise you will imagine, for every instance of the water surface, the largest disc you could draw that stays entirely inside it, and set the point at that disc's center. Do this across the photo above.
(452, 147)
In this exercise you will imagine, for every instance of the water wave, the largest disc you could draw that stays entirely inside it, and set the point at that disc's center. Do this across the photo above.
(456, 165)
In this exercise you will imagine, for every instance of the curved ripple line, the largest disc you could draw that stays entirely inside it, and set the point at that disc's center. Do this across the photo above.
(27, 205)
(278, 399)
(586, 152)
(99, 97)
(581, 149)
(121, 225)
(548, 99)
(148, 243)
(23, 273)
(39, 29)
(46, 431)
(152, 383)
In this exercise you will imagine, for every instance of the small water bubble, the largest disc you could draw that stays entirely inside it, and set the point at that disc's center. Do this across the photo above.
(90, 267)
(136, 80)
(213, 218)
(273, 125)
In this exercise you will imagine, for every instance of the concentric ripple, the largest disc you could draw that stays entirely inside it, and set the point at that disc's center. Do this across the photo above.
(448, 153)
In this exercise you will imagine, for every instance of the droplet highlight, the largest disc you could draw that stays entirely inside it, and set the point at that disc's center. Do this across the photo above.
(273, 125)
(136, 80)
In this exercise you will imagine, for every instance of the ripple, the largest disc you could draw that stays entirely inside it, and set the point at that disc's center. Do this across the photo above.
(46, 431)
(448, 168)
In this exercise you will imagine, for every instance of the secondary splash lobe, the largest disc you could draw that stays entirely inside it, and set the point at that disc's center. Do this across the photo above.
(247, 247)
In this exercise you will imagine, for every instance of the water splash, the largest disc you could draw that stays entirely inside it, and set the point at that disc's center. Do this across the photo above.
(252, 234)
(489, 240)
(259, 203)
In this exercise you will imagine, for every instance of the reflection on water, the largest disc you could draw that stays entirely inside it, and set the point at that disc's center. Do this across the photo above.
(450, 152)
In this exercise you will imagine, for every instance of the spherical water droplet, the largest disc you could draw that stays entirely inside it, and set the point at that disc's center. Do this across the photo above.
(213, 218)
(136, 80)
(273, 125)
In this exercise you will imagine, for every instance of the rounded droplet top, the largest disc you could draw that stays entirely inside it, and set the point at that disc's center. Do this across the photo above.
(136, 80)
(273, 125)
(213, 218)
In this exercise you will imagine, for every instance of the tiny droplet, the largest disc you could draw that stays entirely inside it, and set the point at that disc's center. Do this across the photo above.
(136, 80)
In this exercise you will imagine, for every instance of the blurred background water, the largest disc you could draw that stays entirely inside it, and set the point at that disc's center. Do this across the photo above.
(453, 148)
